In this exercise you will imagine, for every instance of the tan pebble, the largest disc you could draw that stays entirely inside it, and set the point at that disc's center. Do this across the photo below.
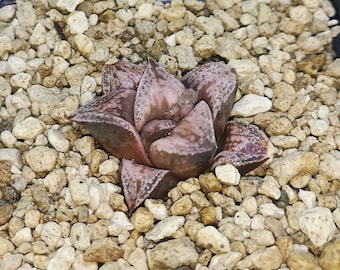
(209, 183)
(103, 250)
(182, 206)
(208, 215)
(95, 158)
(172, 254)
(330, 256)
(302, 260)
(285, 245)
(142, 219)
(198, 199)
(117, 202)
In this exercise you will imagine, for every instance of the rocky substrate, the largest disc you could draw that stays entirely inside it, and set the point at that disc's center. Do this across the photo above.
(61, 205)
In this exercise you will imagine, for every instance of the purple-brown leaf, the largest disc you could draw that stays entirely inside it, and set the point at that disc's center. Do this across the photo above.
(246, 147)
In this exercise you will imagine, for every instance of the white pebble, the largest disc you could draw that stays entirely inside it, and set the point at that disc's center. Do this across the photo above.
(165, 228)
(249, 204)
(57, 139)
(270, 188)
(317, 223)
(308, 198)
(156, 208)
(108, 167)
(318, 127)
(228, 174)
(242, 219)
(271, 210)
(209, 237)
(104, 211)
(144, 12)
(257, 222)
(12, 155)
(119, 218)
(96, 194)
(50, 233)
(78, 22)
(250, 105)
(79, 191)
(62, 259)
(21, 236)
(225, 260)
(93, 19)
(7, 138)
(38, 36)
(16, 64)
(55, 181)
(80, 236)
(84, 145)
(28, 129)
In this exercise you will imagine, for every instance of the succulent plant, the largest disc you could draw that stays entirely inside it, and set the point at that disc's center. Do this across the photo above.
(165, 129)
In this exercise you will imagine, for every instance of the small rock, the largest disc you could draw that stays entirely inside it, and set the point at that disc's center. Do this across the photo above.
(294, 165)
(263, 237)
(312, 220)
(109, 167)
(302, 260)
(137, 258)
(57, 140)
(165, 228)
(85, 145)
(271, 210)
(38, 36)
(103, 250)
(210, 25)
(330, 256)
(232, 231)
(21, 80)
(267, 259)
(28, 129)
(16, 64)
(225, 261)
(21, 236)
(119, 218)
(333, 69)
(165, 255)
(284, 141)
(308, 197)
(6, 211)
(6, 246)
(270, 188)
(208, 215)
(11, 261)
(68, 5)
(185, 57)
(228, 174)
(84, 44)
(230, 48)
(245, 69)
(144, 12)
(50, 233)
(157, 209)
(12, 155)
(80, 236)
(55, 181)
(209, 183)
(142, 219)
(328, 166)
(300, 14)
(209, 237)
(79, 191)
(182, 206)
(318, 127)
(205, 46)
(41, 158)
(40, 197)
(242, 219)
(62, 259)
(250, 105)
(78, 22)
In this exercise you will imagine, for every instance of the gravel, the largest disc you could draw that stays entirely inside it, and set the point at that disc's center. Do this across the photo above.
(61, 205)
